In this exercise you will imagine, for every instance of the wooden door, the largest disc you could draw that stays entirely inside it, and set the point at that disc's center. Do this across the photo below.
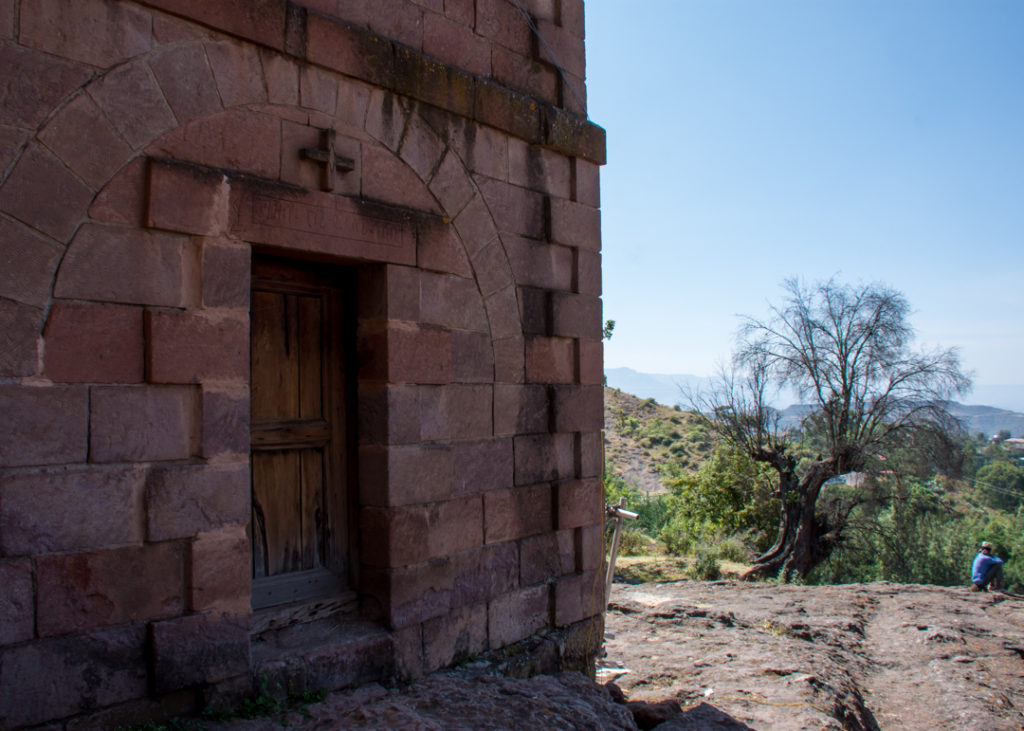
(299, 441)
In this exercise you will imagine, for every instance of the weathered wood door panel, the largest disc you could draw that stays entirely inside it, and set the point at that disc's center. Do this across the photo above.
(300, 495)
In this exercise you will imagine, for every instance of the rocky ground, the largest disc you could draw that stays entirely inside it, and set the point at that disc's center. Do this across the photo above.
(861, 656)
(741, 656)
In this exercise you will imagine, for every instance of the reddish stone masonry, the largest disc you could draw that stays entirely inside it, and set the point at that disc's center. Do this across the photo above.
(151, 170)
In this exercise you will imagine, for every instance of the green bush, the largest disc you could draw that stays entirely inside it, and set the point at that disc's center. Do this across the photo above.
(632, 541)
(732, 548)
(705, 567)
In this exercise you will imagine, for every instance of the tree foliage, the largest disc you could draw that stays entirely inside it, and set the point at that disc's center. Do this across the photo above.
(846, 351)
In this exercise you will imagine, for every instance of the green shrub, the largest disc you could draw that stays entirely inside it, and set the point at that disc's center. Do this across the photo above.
(675, 538)
(705, 567)
(733, 548)
(632, 541)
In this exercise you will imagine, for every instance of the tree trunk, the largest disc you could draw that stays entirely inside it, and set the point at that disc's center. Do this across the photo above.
(802, 543)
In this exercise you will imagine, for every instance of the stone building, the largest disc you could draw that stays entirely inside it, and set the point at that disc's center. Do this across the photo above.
(300, 346)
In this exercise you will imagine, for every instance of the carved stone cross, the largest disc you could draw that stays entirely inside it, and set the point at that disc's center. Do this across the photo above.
(325, 154)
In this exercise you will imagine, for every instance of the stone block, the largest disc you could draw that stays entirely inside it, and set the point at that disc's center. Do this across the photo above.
(225, 425)
(282, 77)
(591, 368)
(394, 537)
(130, 266)
(184, 500)
(353, 100)
(78, 592)
(571, 133)
(386, 116)
(539, 264)
(82, 119)
(17, 608)
(94, 344)
(421, 592)
(551, 360)
(456, 412)
(343, 48)
(70, 509)
(451, 301)
(43, 193)
(461, 11)
(318, 89)
(43, 425)
(503, 316)
(543, 457)
(440, 249)
(578, 408)
(92, 31)
(123, 199)
(455, 43)
(561, 48)
(475, 225)
(481, 465)
(517, 513)
(29, 263)
(19, 338)
(226, 275)
(535, 308)
(515, 210)
(502, 22)
(183, 347)
(418, 354)
(235, 139)
(591, 450)
(132, 100)
(520, 409)
(546, 556)
(588, 183)
(519, 71)
(491, 266)
(52, 679)
(238, 73)
(218, 572)
(188, 651)
(262, 22)
(455, 526)
(576, 315)
(482, 574)
(34, 84)
(387, 179)
(540, 169)
(499, 107)
(404, 475)
(141, 423)
(590, 551)
(421, 148)
(580, 503)
(460, 635)
(578, 597)
(407, 644)
(588, 272)
(187, 81)
(574, 224)
(508, 359)
(388, 414)
(472, 357)
(517, 615)
(439, 85)
(451, 185)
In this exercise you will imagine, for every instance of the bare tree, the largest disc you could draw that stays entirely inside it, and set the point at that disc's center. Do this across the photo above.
(846, 351)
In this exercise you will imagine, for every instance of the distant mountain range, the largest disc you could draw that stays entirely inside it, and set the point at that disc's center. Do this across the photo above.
(669, 389)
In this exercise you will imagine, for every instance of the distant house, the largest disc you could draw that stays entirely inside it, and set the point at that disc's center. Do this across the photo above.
(1016, 444)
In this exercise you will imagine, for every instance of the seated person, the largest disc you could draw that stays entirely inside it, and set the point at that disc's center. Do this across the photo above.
(987, 569)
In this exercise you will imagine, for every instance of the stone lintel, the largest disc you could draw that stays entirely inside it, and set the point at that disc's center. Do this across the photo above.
(321, 223)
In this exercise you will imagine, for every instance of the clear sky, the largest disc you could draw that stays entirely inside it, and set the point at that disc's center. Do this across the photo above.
(754, 140)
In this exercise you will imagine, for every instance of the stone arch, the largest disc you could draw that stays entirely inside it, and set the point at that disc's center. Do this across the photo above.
(235, 82)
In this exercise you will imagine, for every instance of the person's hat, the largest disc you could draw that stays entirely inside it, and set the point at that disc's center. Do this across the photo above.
(986, 544)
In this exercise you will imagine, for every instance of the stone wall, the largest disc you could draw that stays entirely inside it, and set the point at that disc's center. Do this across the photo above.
(147, 151)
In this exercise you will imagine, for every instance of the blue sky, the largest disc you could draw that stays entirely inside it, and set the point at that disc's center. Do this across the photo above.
(754, 140)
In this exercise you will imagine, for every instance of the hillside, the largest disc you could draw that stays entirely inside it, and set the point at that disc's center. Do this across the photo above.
(646, 441)
(668, 389)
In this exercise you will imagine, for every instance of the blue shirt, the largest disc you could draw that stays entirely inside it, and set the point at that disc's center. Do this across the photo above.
(982, 564)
